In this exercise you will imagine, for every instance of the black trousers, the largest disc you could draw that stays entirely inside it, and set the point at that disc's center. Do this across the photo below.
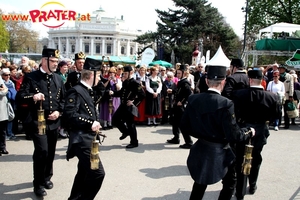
(3, 127)
(177, 115)
(241, 184)
(87, 182)
(227, 191)
(124, 121)
(43, 156)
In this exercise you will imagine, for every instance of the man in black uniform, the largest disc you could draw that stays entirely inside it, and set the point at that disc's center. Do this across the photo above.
(131, 96)
(74, 77)
(253, 107)
(81, 115)
(237, 80)
(181, 94)
(46, 86)
(210, 118)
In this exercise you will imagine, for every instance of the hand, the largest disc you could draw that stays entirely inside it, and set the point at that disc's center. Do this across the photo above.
(179, 103)
(111, 92)
(130, 103)
(96, 126)
(155, 95)
(53, 116)
(38, 97)
(169, 91)
(253, 131)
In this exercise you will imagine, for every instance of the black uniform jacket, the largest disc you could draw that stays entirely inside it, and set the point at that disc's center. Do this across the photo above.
(182, 92)
(72, 80)
(80, 113)
(131, 90)
(238, 80)
(210, 118)
(254, 107)
(37, 82)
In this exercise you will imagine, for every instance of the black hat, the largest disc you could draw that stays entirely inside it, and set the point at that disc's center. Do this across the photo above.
(92, 64)
(181, 67)
(127, 68)
(282, 66)
(216, 72)
(50, 53)
(79, 55)
(237, 63)
(255, 73)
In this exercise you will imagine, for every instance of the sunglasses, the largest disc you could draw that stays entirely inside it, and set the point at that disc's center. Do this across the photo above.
(275, 76)
(6, 74)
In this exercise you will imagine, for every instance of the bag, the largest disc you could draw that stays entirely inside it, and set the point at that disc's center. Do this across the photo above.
(292, 110)
(10, 111)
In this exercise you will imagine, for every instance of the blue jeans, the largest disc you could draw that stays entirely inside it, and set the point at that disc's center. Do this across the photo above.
(9, 132)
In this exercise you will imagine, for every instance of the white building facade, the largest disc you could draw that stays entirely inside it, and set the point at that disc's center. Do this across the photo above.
(101, 36)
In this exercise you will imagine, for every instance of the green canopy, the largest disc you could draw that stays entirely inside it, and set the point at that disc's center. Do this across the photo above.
(161, 63)
(115, 59)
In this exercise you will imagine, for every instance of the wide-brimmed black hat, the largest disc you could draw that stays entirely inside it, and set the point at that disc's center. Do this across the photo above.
(127, 68)
(92, 64)
(79, 55)
(181, 67)
(255, 73)
(216, 72)
(237, 62)
(50, 53)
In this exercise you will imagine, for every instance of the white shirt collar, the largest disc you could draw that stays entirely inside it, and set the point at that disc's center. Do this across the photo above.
(85, 84)
(214, 90)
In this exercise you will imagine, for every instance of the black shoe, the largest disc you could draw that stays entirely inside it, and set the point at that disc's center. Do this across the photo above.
(4, 151)
(293, 123)
(48, 185)
(123, 136)
(130, 146)
(286, 127)
(185, 146)
(252, 190)
(110, 127)
(173, 141)
(28, 137)
(40, 192)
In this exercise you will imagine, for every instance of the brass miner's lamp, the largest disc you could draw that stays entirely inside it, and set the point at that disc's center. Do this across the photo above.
(246, 166)
(41, 120)
(95, 158)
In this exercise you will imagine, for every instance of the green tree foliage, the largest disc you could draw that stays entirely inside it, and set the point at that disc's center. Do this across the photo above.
(180, 29)
(4, 36)
(265, 13)
(21, 37)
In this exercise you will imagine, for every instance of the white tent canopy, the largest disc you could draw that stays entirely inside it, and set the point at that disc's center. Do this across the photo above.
(219, 59)
(279, 27)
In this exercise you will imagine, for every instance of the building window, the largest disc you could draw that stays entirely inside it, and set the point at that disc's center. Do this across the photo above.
(73, 48)
(64, 48)
(131, 51)
(86, 48)
(122, 50)
(57, 46)
(108, 49)
(98, 48)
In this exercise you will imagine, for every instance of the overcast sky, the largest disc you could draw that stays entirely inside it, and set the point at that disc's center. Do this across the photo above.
(138, 14)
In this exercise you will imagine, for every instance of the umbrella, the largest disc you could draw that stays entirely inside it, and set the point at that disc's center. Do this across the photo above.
(161, 63)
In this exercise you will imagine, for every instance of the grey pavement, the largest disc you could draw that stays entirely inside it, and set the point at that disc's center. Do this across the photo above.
(153, 171)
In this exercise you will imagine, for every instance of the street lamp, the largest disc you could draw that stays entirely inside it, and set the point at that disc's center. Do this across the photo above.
(201, 48)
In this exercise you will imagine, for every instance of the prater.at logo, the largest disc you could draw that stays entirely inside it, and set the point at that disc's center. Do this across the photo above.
(54, 14)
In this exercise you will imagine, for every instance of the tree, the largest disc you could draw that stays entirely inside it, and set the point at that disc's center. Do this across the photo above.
(266, 13)
(180, 29)
(21, 37)
(4, 36)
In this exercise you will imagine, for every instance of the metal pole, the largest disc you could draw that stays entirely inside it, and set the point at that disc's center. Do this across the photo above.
(245, 29)
(201, 48)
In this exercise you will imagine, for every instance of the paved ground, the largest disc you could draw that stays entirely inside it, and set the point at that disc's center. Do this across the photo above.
(153, 171)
